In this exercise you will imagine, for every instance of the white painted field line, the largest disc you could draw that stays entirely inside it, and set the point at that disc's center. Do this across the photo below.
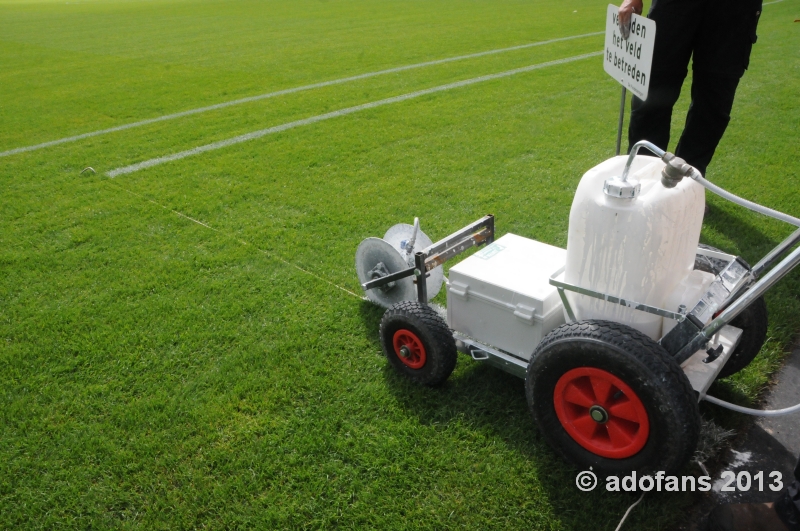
(773, 2)
(284, 92)
(341, 112)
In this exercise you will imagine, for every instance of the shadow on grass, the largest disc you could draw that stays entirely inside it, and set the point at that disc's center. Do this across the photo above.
(493, 402)
(371, 316)
(746, 236)
(486, 399)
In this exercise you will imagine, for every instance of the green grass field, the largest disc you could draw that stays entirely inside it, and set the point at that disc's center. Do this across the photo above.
(175, 351)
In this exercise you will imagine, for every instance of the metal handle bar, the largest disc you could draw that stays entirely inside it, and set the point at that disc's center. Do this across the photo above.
(773, 255)
(753, 292)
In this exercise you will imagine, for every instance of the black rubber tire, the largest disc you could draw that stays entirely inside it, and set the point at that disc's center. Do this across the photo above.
(432, 330)
(753, 321)
(642, 364)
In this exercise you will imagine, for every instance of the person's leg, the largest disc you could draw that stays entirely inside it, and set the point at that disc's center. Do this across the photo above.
(721, 55)
(707, 119)
(651, 119)
(677, 21)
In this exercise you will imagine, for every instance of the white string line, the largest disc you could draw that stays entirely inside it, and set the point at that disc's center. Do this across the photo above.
(624, 516)
(241, 241)
(286, 91)
(341, 112)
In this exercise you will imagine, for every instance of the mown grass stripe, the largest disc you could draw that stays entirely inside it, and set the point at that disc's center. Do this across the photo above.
(292, 90)
(334, 114)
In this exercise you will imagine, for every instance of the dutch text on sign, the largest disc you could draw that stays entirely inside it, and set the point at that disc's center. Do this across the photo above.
(629, 60)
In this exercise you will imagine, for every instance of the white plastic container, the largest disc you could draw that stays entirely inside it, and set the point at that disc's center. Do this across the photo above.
(638, 249)
(501, 296)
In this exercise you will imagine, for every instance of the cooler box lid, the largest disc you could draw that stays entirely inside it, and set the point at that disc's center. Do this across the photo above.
(513, 270)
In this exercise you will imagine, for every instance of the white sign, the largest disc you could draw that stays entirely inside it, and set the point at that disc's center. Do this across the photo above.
(629, 60)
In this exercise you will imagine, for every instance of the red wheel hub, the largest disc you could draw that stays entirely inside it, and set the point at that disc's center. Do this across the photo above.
(409, 348)
(601, 412)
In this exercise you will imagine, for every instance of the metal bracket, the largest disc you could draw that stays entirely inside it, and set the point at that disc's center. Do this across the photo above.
(689, 336)
(702, 373)
(561, 285)
(477, 233)
(388, 279)
(567, 306)
(490, 355)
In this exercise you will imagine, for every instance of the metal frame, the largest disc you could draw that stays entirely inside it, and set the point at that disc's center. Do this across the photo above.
(476, 233)
(492, 356)
(776, 253)
(702, 369)
(562, 286)
(730, 283)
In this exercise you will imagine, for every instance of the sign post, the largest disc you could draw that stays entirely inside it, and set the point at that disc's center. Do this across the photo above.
(628, 59)
(621, 118)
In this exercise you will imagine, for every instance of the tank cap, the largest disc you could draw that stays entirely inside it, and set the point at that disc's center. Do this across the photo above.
(616, 187)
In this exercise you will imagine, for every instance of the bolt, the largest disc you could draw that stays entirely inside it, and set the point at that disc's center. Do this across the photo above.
(405, 352)
(598, 414)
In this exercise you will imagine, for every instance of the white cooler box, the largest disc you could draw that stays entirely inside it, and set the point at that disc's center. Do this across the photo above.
(502, 297)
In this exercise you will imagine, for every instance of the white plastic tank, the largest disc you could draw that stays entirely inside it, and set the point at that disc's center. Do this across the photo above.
(639, 249)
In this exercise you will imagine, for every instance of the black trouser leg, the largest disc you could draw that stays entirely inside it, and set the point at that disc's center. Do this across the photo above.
(708, 116)
(650, 119)
(718, 34)
(676, 23)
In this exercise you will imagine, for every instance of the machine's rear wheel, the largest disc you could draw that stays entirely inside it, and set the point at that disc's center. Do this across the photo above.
(418, 343)
(605, 395)
(753, 321)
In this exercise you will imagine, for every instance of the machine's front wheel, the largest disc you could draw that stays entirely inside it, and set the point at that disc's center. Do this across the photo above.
(418, 343)
(606, 396)
(753, 321)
